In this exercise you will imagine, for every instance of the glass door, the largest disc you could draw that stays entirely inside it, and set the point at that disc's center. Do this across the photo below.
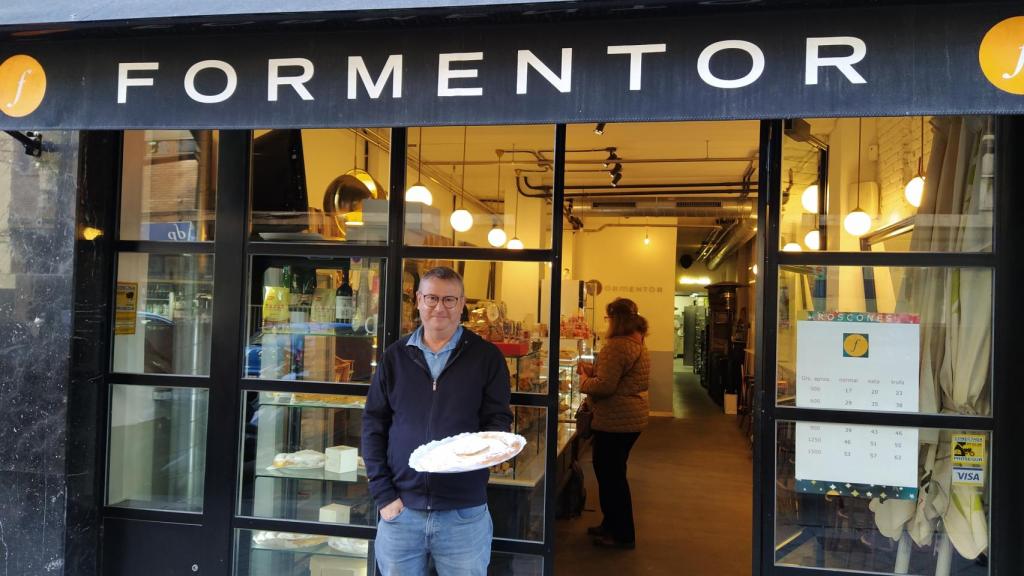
(877, 367)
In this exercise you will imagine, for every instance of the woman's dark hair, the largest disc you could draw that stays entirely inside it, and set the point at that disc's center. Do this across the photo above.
(623, 318)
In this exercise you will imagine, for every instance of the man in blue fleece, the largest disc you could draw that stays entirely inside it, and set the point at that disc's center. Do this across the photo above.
(439, 381)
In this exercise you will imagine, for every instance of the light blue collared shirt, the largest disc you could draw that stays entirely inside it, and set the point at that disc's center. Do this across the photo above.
(435, 360)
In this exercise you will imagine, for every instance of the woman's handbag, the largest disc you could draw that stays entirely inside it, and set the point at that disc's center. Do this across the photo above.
(584, 418)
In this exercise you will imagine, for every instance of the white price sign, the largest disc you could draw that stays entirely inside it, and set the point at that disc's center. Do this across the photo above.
(856, 454)
(858, 361)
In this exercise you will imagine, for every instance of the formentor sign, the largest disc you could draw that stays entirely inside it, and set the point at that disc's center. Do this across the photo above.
(909, 60)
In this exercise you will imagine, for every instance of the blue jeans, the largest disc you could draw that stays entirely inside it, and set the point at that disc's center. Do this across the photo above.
(459, 542)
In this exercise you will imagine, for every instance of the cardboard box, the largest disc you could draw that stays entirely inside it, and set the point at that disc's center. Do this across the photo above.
(341, 459)
(336, 513)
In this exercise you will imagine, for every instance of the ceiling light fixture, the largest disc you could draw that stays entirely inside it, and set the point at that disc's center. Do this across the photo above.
(813, 240)
(914, 190)
(858, 222)
(462, 219)
(418, 192)
(809, 199)
(792, 247)
(599, 128)
(515, 243)
(497, 237)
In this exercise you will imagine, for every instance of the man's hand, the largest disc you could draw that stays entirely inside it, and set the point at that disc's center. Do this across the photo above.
(389, 512)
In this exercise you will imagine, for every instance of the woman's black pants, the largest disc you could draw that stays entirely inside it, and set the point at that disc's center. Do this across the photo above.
(610, 452)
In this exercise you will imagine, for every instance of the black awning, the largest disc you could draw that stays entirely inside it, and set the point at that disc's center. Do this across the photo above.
(70, 12)
(76, 14)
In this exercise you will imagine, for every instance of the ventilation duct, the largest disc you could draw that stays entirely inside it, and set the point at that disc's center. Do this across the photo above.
(730, 208)
(735, 238)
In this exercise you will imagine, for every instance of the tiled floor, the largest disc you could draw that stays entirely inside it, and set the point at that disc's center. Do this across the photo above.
(691, 480)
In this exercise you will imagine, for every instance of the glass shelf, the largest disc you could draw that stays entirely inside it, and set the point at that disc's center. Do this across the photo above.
(356, 477)
(319, 550)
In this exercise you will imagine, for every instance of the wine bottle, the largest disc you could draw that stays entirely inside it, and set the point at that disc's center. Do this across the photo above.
(344, 303)
(362, 305)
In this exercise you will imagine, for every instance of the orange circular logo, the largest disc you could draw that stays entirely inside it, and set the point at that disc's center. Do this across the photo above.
(22, 85)
(1002, 55)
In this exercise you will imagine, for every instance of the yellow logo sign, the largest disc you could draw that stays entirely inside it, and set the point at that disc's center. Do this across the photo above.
(22, 85)
(1002, 55)
(855, 345)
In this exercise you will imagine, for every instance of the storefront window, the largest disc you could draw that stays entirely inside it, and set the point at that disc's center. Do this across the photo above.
(321, 185)
(157, 448)
(892, 339)
(169, 185)
(164, 313)
(886, 339)
(884, 500)
(902, 184)
(301, 458)
(479, 186)
(315, 320)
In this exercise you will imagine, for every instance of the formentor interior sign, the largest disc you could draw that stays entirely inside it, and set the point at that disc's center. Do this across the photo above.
(912, 60)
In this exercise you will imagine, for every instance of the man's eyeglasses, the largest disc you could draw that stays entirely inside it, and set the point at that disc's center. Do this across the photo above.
(431, 300)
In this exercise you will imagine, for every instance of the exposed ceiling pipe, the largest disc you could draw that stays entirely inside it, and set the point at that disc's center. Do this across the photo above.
(736, 237)
(730, 208)
(711, 244)
(618, 225)
(677, 189)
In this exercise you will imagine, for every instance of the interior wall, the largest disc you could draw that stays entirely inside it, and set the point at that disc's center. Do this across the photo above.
(645, 274)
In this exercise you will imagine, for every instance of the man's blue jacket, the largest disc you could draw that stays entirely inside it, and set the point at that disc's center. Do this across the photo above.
(406, 408)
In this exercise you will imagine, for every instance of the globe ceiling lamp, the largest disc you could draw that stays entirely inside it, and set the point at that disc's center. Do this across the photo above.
(809, 199)
(813, 240)
(858, 222)
(418, 192)
(914, 189)
(462, 219)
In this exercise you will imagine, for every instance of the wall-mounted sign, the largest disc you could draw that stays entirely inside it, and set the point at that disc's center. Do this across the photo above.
(858, 361)
(863, 61)
(126, 306)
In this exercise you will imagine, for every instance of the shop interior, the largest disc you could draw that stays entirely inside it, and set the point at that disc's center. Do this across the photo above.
(662, 213)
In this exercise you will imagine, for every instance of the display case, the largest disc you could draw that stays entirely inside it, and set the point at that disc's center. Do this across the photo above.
(301, 459)
(525, 372)
(314, 321)
(268, 553)
(569, 395)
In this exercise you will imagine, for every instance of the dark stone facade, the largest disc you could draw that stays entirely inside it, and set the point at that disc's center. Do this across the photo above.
(37, 257)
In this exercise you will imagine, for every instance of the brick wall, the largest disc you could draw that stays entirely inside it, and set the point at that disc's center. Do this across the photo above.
(899, 147)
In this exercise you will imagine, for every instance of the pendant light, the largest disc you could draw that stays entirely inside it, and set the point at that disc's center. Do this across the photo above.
(497, 237)
(462, 219)
(809, 199)
(647, 236)
(915, 188)
(813, 240)
(858, 222)
(515, 243)
(418, 192)
(792, 247)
